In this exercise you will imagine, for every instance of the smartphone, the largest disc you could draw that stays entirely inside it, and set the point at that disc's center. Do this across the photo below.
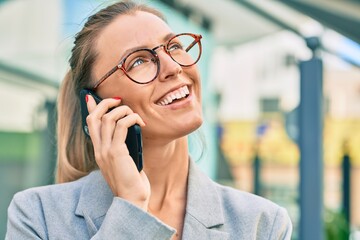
(133, 139)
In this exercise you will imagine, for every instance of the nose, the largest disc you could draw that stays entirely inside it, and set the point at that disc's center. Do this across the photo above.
(168, 67)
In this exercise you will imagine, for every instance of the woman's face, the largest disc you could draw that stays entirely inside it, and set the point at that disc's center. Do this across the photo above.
(145, 30)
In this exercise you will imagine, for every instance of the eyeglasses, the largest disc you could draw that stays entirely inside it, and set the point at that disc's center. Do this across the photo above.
(142, 65)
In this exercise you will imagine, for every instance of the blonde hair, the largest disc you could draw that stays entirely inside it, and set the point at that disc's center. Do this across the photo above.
(75, 151)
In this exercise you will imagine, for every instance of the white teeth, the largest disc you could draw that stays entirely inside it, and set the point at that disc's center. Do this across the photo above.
(177, 94)
(183, 92)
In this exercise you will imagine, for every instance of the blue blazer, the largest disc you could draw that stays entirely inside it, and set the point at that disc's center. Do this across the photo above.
(87, 209)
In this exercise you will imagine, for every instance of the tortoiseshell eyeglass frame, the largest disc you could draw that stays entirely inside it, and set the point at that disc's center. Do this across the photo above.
(197, 38)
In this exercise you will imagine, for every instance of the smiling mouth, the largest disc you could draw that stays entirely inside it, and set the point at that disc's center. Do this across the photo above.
(178, 94)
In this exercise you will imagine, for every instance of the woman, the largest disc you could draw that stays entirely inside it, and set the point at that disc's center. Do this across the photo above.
(155, 83)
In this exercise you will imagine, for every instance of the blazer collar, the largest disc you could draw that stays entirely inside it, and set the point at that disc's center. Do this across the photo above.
(203, 208)
(204, 217)
(94, 201)
(203, 201)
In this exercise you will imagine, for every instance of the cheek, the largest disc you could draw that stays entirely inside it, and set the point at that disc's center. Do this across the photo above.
(133, 101)
(137, 100)
(194, 73)
(120, 86)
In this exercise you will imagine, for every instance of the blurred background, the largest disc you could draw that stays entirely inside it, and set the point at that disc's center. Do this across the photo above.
(281, 99)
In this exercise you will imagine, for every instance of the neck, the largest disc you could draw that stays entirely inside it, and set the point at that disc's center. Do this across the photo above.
(166, 166)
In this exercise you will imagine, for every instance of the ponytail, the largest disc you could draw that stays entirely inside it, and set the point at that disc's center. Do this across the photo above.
(75, 151)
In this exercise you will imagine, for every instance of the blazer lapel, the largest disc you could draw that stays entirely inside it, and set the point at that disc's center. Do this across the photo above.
(204, 218)
(94, 201)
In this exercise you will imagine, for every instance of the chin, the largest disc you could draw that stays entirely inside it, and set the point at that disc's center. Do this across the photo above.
(198, 123)
(192, 126)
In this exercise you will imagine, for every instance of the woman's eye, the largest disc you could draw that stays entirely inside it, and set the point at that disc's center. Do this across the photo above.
(138, 62)
(135, 63)
(175, 46)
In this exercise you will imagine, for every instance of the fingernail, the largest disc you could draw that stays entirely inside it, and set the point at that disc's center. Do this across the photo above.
(117, 98)
(86, 97)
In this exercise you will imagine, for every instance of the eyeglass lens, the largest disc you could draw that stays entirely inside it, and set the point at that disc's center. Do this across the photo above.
(142, 65)
(183, 50)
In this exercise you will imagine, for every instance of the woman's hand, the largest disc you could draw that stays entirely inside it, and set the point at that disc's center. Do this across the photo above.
(108, 132)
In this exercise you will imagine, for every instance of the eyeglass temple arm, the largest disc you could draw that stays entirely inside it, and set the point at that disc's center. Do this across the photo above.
(106, 76)
(197, 38)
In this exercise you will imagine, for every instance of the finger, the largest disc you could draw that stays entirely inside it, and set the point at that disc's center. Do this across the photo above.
(108, 123)
(104, 106)
(91, 122)
(96, 112)
(90, 102)
(122, 126)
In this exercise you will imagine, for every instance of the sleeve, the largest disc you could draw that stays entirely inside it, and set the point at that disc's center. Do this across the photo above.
(132, 223)
(282, 226)
(23, 222)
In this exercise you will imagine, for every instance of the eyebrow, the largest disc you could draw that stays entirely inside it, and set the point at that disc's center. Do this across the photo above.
(164, 39)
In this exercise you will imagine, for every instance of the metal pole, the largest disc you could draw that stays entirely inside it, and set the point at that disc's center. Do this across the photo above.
(346, 197)
(310, 143)
(257, 167)
(49, 145)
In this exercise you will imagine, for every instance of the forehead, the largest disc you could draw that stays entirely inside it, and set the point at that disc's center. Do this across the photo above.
(132, 30)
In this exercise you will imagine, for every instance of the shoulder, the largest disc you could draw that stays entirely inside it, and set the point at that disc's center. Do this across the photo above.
(258, 214)
(56, 192)
(242, 210)
(238, 200)
(38, 211)
(50, 198)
